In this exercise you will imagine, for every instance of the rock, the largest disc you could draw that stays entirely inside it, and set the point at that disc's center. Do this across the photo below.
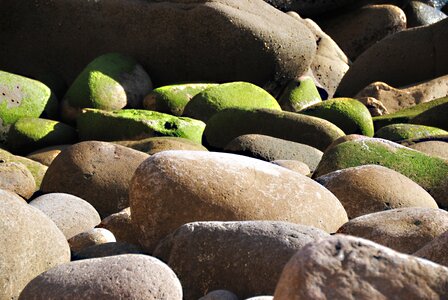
(134, 124)
(15, 177)
(430, 172)
(46, 155)
(212, 255)
(172, 99)
(106, 249)
(345, 138)
(269, 149)
(308, 8)
(242, 95)
(404, 229)
(434, 148)
(398, 66)
(375, 107)
(139, 277)
(299, 94)
(31, 244)
(172, 188)
(231, 123)
(261, 298)
(92, 237)
(271, 45)
(120, 224)
(31, 134)
(396, 99)
(97, 172)
(348, 114)
(359, 29)
(20, 97)
(371, 188)
(220, 295)
(110, 82)
(434, 116)
(153, 145)
(293, 165)
(71, 214)
(346, 267)
(397, 132)
(436, 250)
(38, 170)
(419, 14)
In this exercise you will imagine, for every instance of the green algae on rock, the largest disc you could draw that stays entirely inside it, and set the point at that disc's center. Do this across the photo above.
(21, 97)
(350, 115)
(429, 172)
(436, 116)
(299, 94)
(31, 134)
(231, 123)
(398, 132)
(241, 95)
(172, 99)
(133, 124)
(111, 81)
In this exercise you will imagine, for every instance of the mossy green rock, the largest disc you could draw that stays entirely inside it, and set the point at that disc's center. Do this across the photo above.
(134, 124)
(231, 123)
(410, 115)
(172, 99)
(110, 82)
(241, 95)
(154, 145)
(31, 134)
(429, 172)
(37, 169)
(21, 97)
(299, 94)
(398, 132)
(435, 116)
(348, 114)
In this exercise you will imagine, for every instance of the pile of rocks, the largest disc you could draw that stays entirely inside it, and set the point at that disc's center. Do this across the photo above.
(223, 149)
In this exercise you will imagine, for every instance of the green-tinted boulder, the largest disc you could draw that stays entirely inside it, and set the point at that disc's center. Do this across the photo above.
(348, 114)
(398, 132)
(21, 97)
(153, 145)
(435, 116)
(172, 99)
(37, 169)
(408, 114)
(231, 123)
(31, 134)
(134, 124)
(429, 172)
(111, 81)
(299, 94)
(242, 95)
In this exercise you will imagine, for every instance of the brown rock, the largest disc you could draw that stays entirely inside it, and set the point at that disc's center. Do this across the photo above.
(16, 177)
(375, 107)
(46, 155)
(435, 148)
(211, 255)
(372, 188)
(97, 172)
(153, 145)
(172, 188)
(405, 229)
(345, 267)
(92, 237)
(293, 165)
(436, 250)
(120, 224)
(106, 249)
(345, 138)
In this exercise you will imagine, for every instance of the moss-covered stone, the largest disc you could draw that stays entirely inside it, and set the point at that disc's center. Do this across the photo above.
(299, 94)
(21, 97)
(111, 81)
(134, 124)
(231, 123)
(241, 95)
(37, 169)
(398, 132)
(406, 115)
(30, 134)
(172, 99)
(429, 172)
(153, 145)
(436, 116)
(348, 114)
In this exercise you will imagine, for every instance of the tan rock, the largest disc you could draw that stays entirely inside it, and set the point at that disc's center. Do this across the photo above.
(16, 177)
(92, 237)
(172, 188)
(293, 165)
(46, 155)
(375, 107)
(345, 267)
(435, 148)
(120, 224)
(153, 145)
(436, 250)
(404, 229)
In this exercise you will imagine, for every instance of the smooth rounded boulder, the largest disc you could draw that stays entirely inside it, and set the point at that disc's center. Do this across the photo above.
(200, 254)
(156, 144)
(434, 148)
(436, 250)
(31, 244)
(92, 237)
(398, 132)
(172, 188)
(131, 276)
(120, 224)
(16, 177)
